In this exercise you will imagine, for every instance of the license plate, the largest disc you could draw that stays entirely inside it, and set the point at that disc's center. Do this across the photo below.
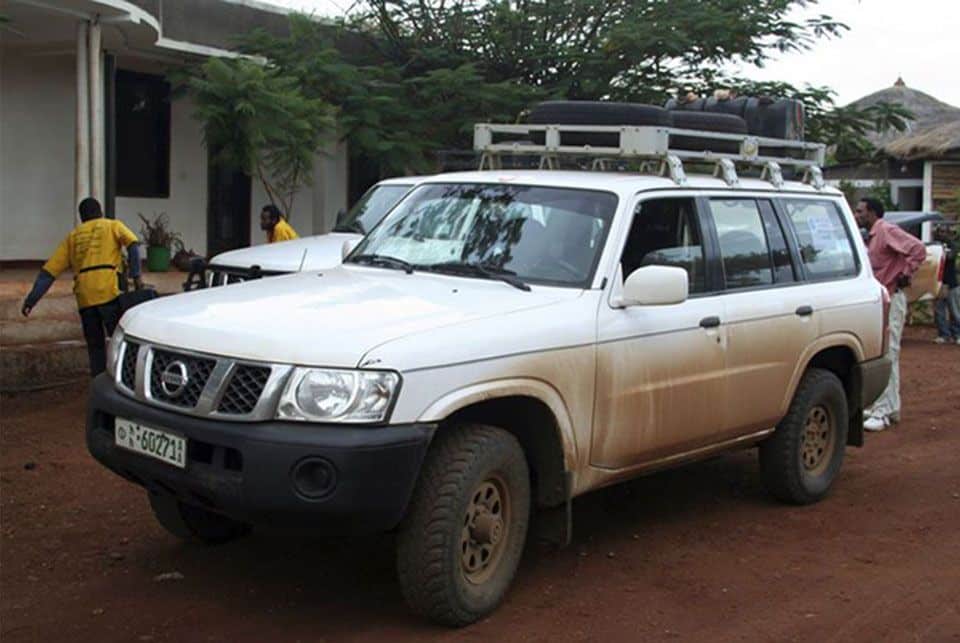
(154, 443)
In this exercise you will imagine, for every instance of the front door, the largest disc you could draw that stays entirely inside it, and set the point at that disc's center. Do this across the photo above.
(661, 375)
(228, 208)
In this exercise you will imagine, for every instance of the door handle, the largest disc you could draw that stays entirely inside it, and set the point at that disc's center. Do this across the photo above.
(710, 322)
(804, 311)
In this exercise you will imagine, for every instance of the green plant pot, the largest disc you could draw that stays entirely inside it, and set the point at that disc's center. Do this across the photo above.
(158, 259)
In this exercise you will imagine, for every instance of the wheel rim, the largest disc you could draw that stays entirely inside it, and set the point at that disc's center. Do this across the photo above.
(486, 530)
(818, 439)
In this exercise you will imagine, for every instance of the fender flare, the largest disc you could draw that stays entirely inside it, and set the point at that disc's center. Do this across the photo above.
(834, 340)
(453, 401)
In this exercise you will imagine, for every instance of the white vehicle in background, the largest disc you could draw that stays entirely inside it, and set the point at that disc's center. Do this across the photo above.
(317, 252)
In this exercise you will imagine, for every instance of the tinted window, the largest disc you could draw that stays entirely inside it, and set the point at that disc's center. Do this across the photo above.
(665, 233)
(544, 235)
(782, 263)
(371, 208)
(743, 243)
(824, 245)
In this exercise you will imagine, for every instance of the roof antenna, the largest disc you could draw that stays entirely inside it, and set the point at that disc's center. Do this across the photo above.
(303, 259)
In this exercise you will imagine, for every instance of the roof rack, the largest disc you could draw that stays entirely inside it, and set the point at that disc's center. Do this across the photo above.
(656, 146)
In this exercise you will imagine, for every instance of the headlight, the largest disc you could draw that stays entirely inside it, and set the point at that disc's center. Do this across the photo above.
(113, 351)
(334, 395)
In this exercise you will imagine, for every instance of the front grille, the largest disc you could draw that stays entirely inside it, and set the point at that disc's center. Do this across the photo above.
(244, 390)
(128, 370)
(213, 386)
(198, 372)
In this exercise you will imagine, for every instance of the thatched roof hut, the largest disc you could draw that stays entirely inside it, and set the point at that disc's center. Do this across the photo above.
(936, 142)
(928, 111)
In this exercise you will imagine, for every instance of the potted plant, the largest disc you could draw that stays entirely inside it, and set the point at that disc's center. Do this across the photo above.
(159, 239)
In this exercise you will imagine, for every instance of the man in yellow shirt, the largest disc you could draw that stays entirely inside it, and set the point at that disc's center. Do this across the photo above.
(277, 229)
(92, 252)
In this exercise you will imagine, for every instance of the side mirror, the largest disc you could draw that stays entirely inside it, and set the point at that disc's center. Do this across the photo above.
(348, 247)
(654, 286)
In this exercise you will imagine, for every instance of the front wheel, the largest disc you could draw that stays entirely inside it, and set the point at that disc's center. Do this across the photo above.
(460, 544)
(803, 456)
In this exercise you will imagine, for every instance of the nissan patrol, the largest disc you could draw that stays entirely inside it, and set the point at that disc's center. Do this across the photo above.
(503, 342)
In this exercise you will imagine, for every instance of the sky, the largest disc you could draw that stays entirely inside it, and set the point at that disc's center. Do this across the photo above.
(918, 40)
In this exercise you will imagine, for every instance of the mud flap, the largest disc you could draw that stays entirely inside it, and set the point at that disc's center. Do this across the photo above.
(855, 430)
(554, 525)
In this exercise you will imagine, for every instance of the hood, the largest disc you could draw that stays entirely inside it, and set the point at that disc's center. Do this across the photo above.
(322, 251)
(329, 318)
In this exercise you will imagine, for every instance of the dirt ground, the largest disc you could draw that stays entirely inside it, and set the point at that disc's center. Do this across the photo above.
(695, 554)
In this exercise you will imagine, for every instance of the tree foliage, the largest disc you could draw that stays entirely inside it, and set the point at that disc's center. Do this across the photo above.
(258, 120)
(408, 77)
(391, 109)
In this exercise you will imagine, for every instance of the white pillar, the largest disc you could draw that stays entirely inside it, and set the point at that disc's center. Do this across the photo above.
(927, 186)
(81, 183)
(97, 145)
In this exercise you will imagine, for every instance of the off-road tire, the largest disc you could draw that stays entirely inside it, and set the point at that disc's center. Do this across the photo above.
(430, 549)
(782, 456)
(576, 112)
(707, 122)
(195, 524)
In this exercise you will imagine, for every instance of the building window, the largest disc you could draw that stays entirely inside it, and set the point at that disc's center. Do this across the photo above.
(142, 135)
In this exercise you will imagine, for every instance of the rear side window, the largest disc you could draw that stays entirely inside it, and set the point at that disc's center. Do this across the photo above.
(743, 243)
(824, 244)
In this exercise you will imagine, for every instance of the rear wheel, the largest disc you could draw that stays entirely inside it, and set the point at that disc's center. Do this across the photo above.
(462, 539)
(194, 523)
(801, 459)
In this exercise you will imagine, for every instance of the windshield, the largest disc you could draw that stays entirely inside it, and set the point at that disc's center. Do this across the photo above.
(370, 209)
(542, 235)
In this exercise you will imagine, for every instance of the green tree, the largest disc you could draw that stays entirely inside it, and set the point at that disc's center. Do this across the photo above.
(258, 120)
(394, 110)
(623, 50)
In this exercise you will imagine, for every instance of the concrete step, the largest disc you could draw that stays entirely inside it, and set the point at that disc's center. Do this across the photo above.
(62, 307)
(33, 366)
(38, 331)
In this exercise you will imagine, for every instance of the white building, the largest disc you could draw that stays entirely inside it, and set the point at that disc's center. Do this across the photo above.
(85, 110)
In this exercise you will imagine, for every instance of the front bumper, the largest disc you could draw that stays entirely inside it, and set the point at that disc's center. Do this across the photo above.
(247, 471)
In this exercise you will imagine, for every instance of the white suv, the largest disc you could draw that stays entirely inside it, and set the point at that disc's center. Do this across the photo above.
(310, 253)
(503, 342)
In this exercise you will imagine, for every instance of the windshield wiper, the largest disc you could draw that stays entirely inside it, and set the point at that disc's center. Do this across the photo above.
(479, 270)
(383, 261)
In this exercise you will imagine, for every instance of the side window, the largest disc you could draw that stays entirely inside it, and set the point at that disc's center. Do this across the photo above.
(782, 264)
(743, 243)
(824, 244)
(665, 232)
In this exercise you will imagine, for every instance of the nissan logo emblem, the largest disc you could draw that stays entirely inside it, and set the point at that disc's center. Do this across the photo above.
(174, 378)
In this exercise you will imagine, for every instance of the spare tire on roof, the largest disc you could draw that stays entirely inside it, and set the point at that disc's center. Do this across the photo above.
(573, 112)
(706, 122)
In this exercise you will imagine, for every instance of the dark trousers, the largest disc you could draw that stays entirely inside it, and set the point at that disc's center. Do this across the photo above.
(94, 320)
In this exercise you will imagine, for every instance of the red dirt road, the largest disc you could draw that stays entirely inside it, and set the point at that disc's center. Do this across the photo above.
(695, 554)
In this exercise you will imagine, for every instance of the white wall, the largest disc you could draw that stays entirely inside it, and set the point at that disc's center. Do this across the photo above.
(187, 203)
(37, 96)
(37, 132)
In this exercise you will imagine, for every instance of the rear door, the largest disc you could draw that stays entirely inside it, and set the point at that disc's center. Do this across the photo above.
(769, 312)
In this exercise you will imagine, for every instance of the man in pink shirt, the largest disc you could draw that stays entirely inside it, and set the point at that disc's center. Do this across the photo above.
(895, 256)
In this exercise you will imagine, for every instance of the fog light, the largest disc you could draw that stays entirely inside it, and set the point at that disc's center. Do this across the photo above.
(314, 478)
